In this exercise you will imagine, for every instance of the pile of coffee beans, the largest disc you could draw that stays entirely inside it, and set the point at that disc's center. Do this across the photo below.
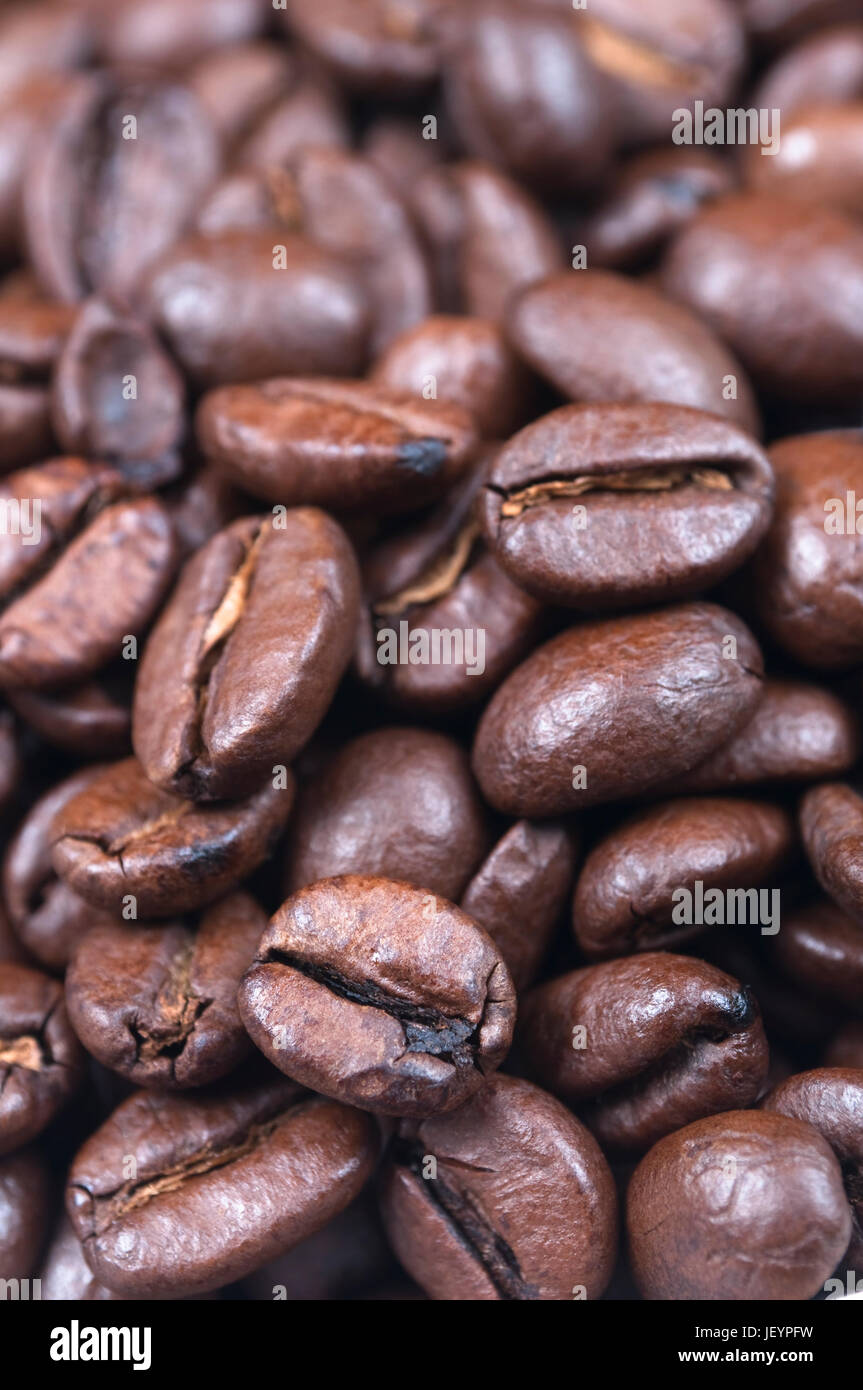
(431, 649)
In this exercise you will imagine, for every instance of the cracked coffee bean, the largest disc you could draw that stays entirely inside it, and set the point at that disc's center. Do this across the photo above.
(520, 1205)
(270, 1158)
(246, 656)
(41, 1060)
(123, 841)
(641, 1046)
(380, 995)
(158, 1004)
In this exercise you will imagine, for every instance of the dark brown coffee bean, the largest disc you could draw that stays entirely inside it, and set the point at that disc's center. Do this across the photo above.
(117, 396)
(342, 1261)
(377, 45)
(737, 265)
(818, 160)
(246, 305)
(846, 1047)
(463, 361)
(32, 332)
(25, 1206)
(26, 109)
(41, 1060)
(831, 1100)
(158, 1004)
(831, 823)
(808, 575)
(160, 34)
(223, 1183)
(746, 1205)
(114, 182)
(48, 916)
(639, 888)
(820, 948)
(597, 336)
(826, 67)
(246, 657)
(110, 563)
(611, 709)
(202, 505)
(345, 445)
(93, 720)
(379, 994)
(394, 803)
(520, 1204)
(312, 115)
(644, 1045)
(607, 506)
(518, 891)
(123, 839)
(793, 1016)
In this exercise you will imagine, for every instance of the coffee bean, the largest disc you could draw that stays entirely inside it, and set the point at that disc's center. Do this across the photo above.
(156, 33)
(25, 1203)
(123, 844)
(90, 720)
(381, 995)
(246, 656)
(820, 948)
(66, 1276)
(222, 1183)
(826, 67)
(508, 1198)
(32, 331)
(642, 1046)
(846, 1048)
(831, 823)
(373, 46)
(566, 499)
(41, 1060)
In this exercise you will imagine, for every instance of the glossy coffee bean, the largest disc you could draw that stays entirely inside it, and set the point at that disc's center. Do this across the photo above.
(808, 573)
(247, 655)
(745, 1205)
(820, 948)
(825, 67)
(350, 446)
(86, 570)
(565, 500)
(342, 1261)
(818, 160)
(224, 1182)
(520, 1206)
(250, 304)
(158, 1004)
(25, 1206)
(373, 45)
(27, 107)
(156, 33)
(381, 995)
(519, 890)
(122, 842)
(642, 1046)
(48, 916)
(737, 264)
(831, 824)
(597, 336)
(91, 720)
(32, 331)
(628, 896)
(395, 803)
(202, 505)
(41, 1060)
(831, 1100)
(95, 175)
(611, 709)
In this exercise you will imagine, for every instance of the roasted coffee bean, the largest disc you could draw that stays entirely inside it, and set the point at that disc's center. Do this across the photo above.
(821, 949)
(158, 1004)
(746, 1205)
(118, 397)
(798, 733)
(826, 67)
(377, 45)
(653, 196)
(640, 1047)
(32, 332)
(90, 721)
(518, 891)
(846, 1048)
(160, 34)
(831, 1100)
(394, 803)
(831, 823)
(379, 994)
(467, 362)
(41, 1060)
(122, 843)
(673, 500)
(65, 1274)
(818, 160)
(639, 888)
(247, 654)
(611, 709)
(85, 570)
(202, 505)
(114, 182)
(351, 446)
(521, 1205)
(25, 1207)
(250, 304)
(239, 83)
(48, 916)
(737, 265)
(223, 1183)
(808, 575)
(597, 336)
